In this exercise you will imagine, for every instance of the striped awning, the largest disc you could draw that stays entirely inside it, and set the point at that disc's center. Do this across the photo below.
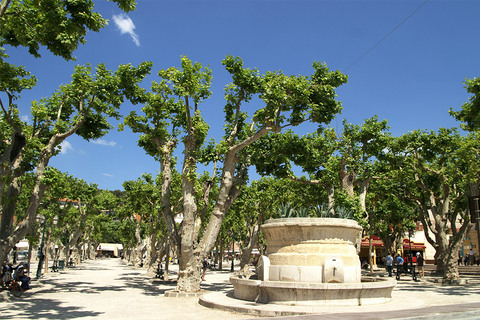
(376, 241)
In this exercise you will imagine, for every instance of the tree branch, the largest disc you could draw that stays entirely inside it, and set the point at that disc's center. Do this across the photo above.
(233, 134)
(245, 143)
(3, 7)
(427, 226)
(294, 123)
(310, 182)
(187, 109)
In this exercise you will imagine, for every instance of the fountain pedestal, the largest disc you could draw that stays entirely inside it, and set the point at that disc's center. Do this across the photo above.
(312, 261)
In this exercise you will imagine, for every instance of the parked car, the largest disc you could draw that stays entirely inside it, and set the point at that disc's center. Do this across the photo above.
(22, 256)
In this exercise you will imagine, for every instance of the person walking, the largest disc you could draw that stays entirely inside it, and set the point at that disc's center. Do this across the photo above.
(471, 257)
(399, 262)
(204, 267)
(389, 264)
(420, 264)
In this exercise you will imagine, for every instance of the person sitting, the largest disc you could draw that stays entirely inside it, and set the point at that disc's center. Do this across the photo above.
(22, 275)
(6, 275)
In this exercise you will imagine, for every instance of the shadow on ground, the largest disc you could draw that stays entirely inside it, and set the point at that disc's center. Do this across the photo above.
(459, 290)
(42, 309)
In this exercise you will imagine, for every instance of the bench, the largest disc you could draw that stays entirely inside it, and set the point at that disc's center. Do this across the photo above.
(58, 265)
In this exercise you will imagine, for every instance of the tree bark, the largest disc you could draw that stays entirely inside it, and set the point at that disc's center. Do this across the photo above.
(166, 171)
(247, 251)
(347, 180)
(446, 246)
(28, 224)
(190, 264)
(138, 252)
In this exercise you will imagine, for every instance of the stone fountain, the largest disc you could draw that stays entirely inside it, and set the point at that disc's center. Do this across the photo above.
(312, 262)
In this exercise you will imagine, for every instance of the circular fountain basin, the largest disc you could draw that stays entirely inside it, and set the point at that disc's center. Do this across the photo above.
(298, 248)
(368, 291)
(312, 262)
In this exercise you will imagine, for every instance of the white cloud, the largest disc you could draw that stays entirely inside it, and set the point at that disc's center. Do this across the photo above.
(25, 118)
(125, 25)
(105, 143)
(65, 146)
(108, 175)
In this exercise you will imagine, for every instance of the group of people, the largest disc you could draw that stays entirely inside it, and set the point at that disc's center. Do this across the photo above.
(469, 260)
(401, 262)
(19, 273)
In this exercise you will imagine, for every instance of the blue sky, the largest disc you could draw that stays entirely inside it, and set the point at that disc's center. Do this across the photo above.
(412, 78)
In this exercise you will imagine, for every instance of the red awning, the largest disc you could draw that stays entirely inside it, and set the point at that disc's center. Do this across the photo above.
(414, 245)
(376, 241)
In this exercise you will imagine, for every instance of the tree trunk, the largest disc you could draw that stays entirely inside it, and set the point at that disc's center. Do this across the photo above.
(220, 254)
(166, 172)
(8, 241)
(363, 186)
(189, 276)
(247, 251)
(11, 159)
(446, 245)
(166, 254)
(331, 199)
(347, 180)
(370, 255)
(8, 213)
(138, 253)
(190, 264)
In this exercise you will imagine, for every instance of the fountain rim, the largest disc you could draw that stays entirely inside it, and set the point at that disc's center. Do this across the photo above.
(312, 222)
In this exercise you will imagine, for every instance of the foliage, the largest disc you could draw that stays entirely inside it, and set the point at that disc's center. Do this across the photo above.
(436, 170)
(469, 114)
(286, 210)
(173, 114)
(81, 107)
(58, 25)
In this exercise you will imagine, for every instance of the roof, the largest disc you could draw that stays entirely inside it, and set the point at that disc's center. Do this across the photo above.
(110, 246)
(414, 245)
(376, 241)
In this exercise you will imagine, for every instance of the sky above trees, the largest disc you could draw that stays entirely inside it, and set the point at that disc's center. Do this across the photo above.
(411, 78)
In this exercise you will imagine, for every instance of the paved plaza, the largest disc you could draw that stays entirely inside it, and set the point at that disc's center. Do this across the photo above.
(109, 289)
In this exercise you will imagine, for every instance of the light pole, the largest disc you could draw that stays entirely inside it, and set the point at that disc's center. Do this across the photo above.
(233, 251)
(410, 258)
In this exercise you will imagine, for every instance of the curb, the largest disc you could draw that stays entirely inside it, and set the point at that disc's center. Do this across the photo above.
(177, 294)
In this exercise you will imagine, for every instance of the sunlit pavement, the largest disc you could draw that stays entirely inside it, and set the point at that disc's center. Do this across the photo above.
(104, 289)
(108, 289)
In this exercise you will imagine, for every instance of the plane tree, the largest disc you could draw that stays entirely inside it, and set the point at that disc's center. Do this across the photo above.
(469, 113)
(102, 225)
(258, 202)
(59, 26)
(392, 215)
(81, 107)
(76, 207)
(285, 101)
(344, 164)
(282, 101)
(140, 207)
(435, 170)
